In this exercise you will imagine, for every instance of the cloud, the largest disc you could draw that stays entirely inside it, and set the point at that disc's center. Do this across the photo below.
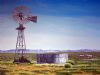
(46, 41)
(52, 32)
(7, 42)
(69, 25)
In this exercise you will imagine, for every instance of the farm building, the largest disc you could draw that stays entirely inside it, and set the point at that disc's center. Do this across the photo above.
(55, 58)
(61, 58)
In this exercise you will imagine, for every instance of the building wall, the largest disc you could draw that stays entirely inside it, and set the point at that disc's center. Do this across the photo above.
(52, 58)
(61, 58)
(46, 58)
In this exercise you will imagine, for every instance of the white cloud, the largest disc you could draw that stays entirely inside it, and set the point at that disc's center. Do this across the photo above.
(46, 41)
(54, 33)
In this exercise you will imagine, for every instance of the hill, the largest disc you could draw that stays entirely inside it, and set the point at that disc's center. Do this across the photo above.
(47, 51)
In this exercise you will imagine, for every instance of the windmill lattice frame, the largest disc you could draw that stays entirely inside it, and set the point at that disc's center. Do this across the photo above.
(22, 15)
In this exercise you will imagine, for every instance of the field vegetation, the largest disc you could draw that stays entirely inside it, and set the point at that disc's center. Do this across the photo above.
(74, 66)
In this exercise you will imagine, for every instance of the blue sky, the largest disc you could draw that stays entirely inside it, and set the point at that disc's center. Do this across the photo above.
(62, 24)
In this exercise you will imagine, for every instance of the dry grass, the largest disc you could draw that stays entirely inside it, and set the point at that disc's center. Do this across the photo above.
(37, 69)
(28, 69)
(8, 68)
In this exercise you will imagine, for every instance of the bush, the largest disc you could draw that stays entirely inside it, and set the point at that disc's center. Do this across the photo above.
(68, 65)
(71, 62)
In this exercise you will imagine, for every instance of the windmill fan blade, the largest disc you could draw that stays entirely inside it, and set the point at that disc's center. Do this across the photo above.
(33, 19)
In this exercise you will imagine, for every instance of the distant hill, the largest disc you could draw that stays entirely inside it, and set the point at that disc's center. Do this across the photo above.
(46, 51)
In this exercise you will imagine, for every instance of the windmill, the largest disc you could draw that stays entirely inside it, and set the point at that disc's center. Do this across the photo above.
(22, 16)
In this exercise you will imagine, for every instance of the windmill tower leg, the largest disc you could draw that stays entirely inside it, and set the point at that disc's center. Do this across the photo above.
(20, 46)
(22, 15)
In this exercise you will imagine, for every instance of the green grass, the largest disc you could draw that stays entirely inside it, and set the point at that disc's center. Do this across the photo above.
(79, 68)
(9, 57)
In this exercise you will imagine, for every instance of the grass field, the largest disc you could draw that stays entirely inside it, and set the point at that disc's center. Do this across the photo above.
(79, 68)
(45, 69)
(28, 69)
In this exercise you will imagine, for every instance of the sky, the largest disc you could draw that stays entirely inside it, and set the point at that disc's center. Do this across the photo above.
(61, 24)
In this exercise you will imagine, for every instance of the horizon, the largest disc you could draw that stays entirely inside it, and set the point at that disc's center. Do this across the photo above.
(61, 24)
(55, 50)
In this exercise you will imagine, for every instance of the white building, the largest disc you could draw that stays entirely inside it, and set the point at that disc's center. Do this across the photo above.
(61, 58)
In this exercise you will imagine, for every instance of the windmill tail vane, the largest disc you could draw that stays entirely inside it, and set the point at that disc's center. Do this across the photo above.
(33, 19)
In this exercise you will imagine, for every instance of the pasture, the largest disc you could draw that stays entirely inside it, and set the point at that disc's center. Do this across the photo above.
(78, 68)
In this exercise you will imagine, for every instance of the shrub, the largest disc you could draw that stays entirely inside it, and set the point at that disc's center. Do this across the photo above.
(71, 62)
(68, 65)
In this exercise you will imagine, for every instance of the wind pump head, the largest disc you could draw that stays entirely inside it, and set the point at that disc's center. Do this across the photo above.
(22, 15)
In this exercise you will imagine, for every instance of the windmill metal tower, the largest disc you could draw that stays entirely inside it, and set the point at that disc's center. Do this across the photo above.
(22, 15)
